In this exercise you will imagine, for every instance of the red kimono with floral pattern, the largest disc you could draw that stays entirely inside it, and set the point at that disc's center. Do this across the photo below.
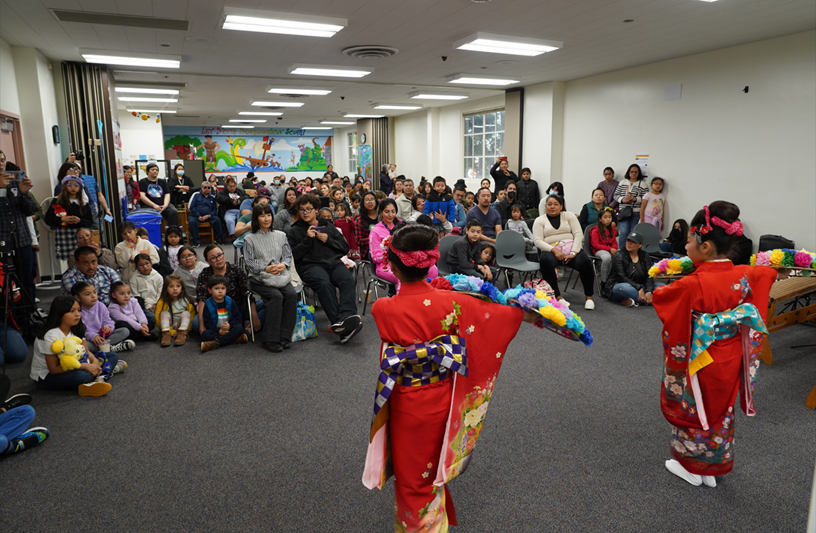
(714, 287)
(422, 419)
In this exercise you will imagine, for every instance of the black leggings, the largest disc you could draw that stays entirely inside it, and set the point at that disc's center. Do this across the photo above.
(581, 262)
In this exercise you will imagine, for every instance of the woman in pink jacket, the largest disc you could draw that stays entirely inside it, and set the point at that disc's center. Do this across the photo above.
(388, 223)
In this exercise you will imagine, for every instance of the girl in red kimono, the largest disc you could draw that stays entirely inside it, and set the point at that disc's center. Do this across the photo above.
(440, 359)
(713, 326)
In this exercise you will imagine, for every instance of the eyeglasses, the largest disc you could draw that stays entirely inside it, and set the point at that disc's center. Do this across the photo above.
(306, 209)
(186, 256)
(216, 257)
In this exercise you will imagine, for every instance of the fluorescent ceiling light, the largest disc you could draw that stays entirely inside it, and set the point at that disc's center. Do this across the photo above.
(285, 23)
(387, 106)
(131, 59)
(429, 96)
(317, 128)
(145, 91)
(160, 111)
(327, 70)
(261, 113)
(481, 80)
(277, 104)
(310, 92)
(337, 122)
(362, 116)
(506, 44)
(248, 120)
(144, 99)
(228, 126)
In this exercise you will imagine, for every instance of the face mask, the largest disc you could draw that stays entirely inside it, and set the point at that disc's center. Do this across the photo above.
(511, 194)
(552, 191)
(277, 183)
(180, 173)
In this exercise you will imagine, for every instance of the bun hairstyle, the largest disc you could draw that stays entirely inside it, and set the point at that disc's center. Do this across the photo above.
(716, 235)
(414, 238)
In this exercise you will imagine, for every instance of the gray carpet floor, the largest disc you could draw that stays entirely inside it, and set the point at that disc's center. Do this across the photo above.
(240, 439)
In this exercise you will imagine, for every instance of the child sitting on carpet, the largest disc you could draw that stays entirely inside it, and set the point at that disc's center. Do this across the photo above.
(147, 284)
(222, 318)
(127, 313)
(175, 311)
(99, 327)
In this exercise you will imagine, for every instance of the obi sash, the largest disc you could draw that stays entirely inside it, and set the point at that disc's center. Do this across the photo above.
(416, 365)
(709, 328)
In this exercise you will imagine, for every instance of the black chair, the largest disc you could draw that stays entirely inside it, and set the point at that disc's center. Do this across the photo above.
(444, 247)
(651, 240)
(378, 282)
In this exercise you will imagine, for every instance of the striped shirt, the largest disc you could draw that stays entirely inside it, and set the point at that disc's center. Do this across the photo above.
(637, 189)
(264, 249)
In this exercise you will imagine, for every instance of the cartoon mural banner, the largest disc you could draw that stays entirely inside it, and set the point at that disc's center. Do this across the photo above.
(364, 164)
(258, 149)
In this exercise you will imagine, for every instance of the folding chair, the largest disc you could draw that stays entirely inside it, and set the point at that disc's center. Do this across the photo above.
(444, 247)
(596, 261)
(510, 255)
(378, 282)
(651, 240)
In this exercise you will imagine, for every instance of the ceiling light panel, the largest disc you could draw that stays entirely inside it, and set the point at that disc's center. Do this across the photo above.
(307, 92)
(467, 79)
(257, 20)
(437, 96)
(105, 57)
(400, 107)
(229, 126)
(277, 104)
(362, 116)
(338, 123)
(327, 70)
(317, 128)
(261, 113)
(151, 111)
(247, 120)
(506, 44)
(137, 90)
(145, 99)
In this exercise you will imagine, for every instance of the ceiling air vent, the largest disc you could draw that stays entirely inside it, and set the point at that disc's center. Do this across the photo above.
(274, 108)
(370, 51)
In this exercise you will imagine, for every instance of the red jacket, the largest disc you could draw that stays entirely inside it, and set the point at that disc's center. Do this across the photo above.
(596, 243)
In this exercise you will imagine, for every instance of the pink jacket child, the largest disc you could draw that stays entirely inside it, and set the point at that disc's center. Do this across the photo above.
(378, 235)
(131, 316)
(95, 319)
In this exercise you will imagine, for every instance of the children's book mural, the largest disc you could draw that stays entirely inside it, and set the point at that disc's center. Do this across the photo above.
(234, 150)
(364, 164)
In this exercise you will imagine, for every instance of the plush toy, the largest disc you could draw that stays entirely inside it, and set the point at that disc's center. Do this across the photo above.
(60, 212)
(71, 353)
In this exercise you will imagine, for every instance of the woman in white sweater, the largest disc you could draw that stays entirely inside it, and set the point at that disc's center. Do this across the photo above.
(557, 234)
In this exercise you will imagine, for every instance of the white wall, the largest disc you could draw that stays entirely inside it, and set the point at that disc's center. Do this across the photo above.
(9, 99)
(716, 142)
(140, 137)
(431, 142)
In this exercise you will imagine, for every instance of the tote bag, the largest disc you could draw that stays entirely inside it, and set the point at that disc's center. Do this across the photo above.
(305, 327)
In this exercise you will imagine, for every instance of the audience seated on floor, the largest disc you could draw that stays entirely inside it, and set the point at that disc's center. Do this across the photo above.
(489, 217)
(86, 268)
(103, 256)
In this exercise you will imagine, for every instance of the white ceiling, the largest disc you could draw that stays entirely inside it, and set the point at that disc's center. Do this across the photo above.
(223, 76)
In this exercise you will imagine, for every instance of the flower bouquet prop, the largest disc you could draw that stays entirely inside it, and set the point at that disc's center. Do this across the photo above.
(555, 316)
(786, 258)
(673, 266)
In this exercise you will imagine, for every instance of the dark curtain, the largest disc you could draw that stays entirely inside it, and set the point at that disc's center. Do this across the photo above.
(379, 147)
(88, 103)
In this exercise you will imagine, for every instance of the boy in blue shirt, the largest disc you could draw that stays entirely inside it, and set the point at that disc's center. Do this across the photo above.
(223, 321)
(440, 205)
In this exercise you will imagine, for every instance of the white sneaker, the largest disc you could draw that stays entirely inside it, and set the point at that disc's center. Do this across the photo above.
(124, 346)
(120, 367)
(590, 304)
(677, 469)
(563, 301)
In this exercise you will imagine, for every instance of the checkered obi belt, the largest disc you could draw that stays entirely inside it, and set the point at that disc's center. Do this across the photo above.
(419, 364)
(713, 327)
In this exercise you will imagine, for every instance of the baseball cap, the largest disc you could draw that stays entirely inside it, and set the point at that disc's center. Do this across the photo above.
(636, 238)
(264, 192)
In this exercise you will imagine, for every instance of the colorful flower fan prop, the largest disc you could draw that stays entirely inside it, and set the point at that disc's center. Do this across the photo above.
(674, 266)
(555, 316)
(785, 258)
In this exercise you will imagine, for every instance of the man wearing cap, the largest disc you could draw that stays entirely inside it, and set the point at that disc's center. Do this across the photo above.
(629, 283)
(249, 181)
(103, 256)
(155, 195)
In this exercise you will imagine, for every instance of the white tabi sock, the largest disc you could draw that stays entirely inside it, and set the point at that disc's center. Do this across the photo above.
(677, 469)
(709, 481)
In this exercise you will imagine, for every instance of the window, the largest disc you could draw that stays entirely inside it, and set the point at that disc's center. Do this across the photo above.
(352, 153)
(484, 142)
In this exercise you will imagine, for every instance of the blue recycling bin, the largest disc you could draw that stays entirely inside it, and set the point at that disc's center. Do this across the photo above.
(149, 221)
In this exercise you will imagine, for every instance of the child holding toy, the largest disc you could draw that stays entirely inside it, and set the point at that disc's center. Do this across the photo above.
(63, 335)
(67, 213)
(175, 311)
(223, 321)
(99, 327)
(147, 284)
(126, 312)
